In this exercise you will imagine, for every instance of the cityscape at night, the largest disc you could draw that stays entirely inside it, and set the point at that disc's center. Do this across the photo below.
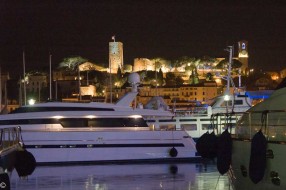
(142, 94)
(148, 29)
(166, 32)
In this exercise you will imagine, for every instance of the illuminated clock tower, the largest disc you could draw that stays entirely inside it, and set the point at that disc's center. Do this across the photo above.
(243, 54)
(115, 56)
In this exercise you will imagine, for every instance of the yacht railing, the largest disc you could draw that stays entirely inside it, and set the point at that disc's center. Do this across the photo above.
(222, 121)
(193, 111)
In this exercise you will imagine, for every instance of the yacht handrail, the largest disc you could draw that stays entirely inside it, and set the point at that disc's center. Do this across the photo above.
(193, 111)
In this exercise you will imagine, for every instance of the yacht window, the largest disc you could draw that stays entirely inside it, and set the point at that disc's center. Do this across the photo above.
(206, 127)
(47, 109)
(28, 121)
(167, 127)
(238, 102)
(189, 127)
(226, 103)
(72, 122)
(81, 122)
(117, 122)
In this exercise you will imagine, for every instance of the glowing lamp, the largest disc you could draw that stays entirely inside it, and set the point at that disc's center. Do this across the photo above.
(31, 101)
(226, 97)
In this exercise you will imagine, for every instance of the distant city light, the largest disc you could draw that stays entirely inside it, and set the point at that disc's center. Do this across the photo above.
(218, 81)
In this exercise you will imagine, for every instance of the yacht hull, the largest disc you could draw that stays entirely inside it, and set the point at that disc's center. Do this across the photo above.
(240, 159)
(74, 147)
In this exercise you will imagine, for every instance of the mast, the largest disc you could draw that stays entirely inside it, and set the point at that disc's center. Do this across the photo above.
(24, 76)
(110, 78)
(0, 89)
(20, 92)
(50, 63)
(227, 92)
(78, 76)
(229, 69)
(110, 82)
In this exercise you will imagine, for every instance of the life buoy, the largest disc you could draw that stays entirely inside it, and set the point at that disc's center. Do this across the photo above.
(224, 151)
(206, 145)
(173, 152)
(257, 162)
(25, 163)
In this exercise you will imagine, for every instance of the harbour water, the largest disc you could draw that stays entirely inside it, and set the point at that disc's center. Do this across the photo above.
(124, 177)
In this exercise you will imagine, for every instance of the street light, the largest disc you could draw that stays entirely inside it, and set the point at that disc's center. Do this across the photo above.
(31, 101)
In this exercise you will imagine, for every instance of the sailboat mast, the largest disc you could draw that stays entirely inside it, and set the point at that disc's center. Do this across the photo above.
(24, 76)
(50, 64)
(229, 70)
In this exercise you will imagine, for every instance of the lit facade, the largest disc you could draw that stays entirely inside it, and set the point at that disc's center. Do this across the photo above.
(142, 64)
(184, 94)
(115, 56)
(36, 83)
(147, 64)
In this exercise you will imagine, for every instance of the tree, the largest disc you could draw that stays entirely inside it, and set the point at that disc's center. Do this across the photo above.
(160, 77)
(179, 81)
(170, 79)
(119, 73)
(209, 77)
(118, 78)
(194, 79)
(206, 62)
(100, 79)
(71, 64)
(224, 63)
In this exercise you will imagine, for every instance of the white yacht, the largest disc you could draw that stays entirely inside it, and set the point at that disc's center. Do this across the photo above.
(197, 120)
(67, 133)
(258, 149)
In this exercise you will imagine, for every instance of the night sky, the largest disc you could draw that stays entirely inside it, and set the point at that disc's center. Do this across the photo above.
(147, 28)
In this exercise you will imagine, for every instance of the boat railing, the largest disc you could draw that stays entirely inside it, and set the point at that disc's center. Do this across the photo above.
(193, 111)
(271, 122)
(222, 121)
(10, 139)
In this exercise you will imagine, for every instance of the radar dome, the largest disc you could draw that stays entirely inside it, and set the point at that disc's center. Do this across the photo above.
(134, 78)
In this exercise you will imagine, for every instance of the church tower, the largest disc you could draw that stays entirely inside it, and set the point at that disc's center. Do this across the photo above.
(243, 55)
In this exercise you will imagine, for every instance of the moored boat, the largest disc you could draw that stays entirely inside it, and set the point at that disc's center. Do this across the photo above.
(72, 133)
(258, 151)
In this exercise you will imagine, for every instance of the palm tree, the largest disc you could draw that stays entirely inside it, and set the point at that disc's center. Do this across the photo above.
(223, 64)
